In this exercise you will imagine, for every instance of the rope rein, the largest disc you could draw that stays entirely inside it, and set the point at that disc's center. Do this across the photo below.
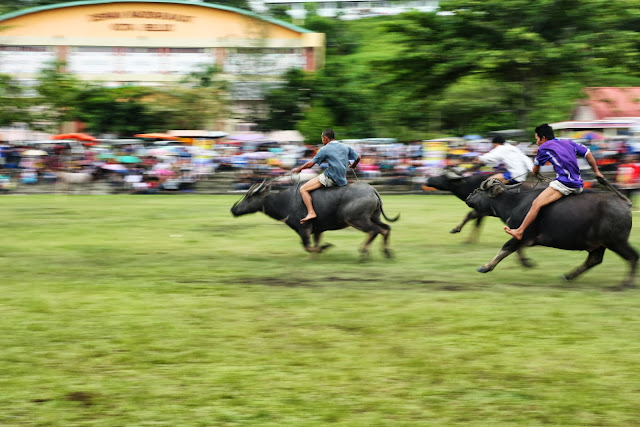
(354, 173)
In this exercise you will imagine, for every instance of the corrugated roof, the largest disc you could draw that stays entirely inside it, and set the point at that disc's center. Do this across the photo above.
(613, 101)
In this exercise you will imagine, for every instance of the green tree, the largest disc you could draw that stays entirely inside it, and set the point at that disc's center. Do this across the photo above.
(285, 104)
(58, 93)
(206, 76)
(348, 97)
(526, 46)
(240, 4)
(189, 108)
(316, 119)
(121, 111)
(14, 107)
(280, 12)
(339, 40)
(7, 6)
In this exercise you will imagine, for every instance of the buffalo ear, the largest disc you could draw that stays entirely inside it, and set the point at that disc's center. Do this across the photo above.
(484, 185)
(493, 186)
(496, 190)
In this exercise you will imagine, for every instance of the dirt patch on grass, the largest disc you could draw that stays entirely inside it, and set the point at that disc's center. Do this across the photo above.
(274, 281)
(84, 397)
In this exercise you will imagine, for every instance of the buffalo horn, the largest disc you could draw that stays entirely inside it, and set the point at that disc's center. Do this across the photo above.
(257, 188)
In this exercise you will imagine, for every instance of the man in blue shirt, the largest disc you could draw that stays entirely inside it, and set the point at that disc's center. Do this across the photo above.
(561, 153)
(339, 157)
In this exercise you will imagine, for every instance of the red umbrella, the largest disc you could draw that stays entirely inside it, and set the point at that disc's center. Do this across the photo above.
(157, 136)
(78, 135)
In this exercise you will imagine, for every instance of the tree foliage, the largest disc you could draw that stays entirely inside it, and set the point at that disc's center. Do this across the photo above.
(475, 66)
(285, 105)
(14, 107)
(127, 110)
(119, 111)
(527, 48)
(58, 92)
(240, 4)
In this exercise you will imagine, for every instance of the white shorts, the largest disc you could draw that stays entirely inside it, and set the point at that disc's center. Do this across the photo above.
(557, 185)
(326, 181)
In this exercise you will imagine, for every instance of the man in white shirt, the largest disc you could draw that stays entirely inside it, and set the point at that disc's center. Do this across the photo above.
(517, 163)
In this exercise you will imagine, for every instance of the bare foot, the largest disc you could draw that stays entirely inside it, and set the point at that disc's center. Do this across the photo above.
(308, 217)
(515, 233)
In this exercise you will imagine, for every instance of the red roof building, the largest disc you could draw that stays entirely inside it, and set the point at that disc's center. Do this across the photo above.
(608, 102)
(614, 111)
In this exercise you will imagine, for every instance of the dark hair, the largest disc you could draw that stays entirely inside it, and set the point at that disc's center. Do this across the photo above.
(329, 134)
(546, 131)
(498, 139)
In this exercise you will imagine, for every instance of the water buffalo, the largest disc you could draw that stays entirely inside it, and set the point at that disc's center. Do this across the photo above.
(592, 222)
(461, 186)
(357, 205)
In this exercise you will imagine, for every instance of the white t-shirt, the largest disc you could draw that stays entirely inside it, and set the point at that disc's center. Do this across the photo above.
(514, 160)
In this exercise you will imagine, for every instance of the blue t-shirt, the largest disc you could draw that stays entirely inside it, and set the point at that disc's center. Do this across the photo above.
(562, 153)
(338, 156)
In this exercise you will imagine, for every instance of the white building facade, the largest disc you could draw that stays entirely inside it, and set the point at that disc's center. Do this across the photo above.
(345, 9)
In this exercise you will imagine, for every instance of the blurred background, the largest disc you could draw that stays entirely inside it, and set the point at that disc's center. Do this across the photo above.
(148, 97)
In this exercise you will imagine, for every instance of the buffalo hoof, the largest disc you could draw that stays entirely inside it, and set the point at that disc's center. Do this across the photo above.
(325, 246)
(454, 231)
(621, 287)
(388, 253)
(483, 269)
(566, 278)
(527, 263)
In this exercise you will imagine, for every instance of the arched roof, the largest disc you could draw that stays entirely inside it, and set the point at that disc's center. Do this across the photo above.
(247, 13)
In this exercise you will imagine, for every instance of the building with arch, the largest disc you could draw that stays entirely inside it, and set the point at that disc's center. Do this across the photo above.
(156, 42)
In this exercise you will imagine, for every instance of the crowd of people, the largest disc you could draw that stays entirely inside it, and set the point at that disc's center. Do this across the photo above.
(125, 167)
(148, 167)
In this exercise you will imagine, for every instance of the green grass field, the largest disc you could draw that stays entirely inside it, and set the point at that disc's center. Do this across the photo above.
(166, 310)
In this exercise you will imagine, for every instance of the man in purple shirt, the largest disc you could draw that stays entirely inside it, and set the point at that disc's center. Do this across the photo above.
(562, 154)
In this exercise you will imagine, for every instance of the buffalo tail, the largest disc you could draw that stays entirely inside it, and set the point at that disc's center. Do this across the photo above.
(382, 210)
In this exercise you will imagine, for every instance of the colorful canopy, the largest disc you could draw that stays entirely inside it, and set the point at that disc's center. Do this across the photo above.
(156, 136)
(78, 135)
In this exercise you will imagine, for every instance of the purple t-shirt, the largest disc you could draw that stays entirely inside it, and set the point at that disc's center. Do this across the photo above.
(562, 153)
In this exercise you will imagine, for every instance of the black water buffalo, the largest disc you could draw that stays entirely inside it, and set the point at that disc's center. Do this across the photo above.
(592, 222)
(357, 205)
(461, 187)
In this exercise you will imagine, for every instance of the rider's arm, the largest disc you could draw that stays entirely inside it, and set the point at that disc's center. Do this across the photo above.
(307, 165)
(355, 163)
(592, 162)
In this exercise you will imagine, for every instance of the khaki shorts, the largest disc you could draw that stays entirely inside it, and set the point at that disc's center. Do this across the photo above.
(326, 181)
(557, 185)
